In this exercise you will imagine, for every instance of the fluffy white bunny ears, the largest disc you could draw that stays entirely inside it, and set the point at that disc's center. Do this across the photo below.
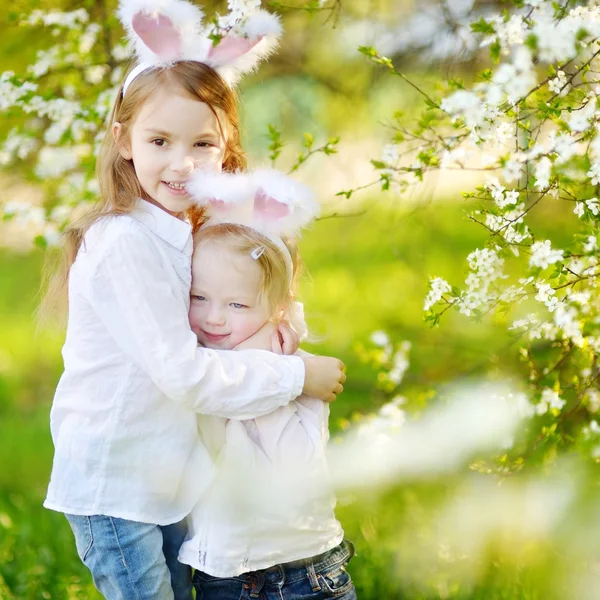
(163, 32)
(265, 200)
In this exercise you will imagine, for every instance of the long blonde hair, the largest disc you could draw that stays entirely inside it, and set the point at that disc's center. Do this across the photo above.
(119, 186)
(276, 285)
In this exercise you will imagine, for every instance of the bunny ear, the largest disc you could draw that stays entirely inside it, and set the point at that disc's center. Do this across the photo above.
(161, 30)
(267, 207)
(215, 189)
(284, 205)
(240, 52)
(157, 32)
(229, 49)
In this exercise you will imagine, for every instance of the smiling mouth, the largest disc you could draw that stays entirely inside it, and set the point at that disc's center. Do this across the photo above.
(175, 186)
(215, 336)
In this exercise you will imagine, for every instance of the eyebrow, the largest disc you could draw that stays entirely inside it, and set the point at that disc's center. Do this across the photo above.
(166, 134)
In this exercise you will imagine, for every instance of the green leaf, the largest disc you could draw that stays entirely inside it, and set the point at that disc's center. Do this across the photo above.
(495, 49)
(532, 42)
(368, 51)
(40, 242)
(482, 26)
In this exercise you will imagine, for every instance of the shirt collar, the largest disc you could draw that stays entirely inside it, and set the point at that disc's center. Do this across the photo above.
(171, 229)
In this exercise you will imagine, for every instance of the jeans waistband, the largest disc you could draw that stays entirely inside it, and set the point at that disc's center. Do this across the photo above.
(343, 552)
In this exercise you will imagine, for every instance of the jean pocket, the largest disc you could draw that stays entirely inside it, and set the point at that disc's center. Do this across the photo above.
(335, 581)
(84, 538)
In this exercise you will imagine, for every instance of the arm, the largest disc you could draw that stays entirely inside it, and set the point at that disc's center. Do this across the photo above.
(131, 294)
(296, 433)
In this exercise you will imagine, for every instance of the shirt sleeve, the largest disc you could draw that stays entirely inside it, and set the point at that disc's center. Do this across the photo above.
(294, 434)
(130, 290)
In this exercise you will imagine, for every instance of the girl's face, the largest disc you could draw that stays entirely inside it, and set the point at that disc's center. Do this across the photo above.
(225, 307)
(171, 136)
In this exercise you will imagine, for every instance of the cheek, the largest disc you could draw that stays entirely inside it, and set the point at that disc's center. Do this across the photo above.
(195, 316)
(249, 325)
(212, 161)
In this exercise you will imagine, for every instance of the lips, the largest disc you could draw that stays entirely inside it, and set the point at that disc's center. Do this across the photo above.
(215, 337)
(175, 191)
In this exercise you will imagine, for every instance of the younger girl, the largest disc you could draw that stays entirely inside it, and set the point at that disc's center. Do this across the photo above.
(265, 527)
(128, 466)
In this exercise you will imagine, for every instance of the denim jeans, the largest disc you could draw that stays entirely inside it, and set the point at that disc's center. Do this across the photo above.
(317, 578)
(131, 560)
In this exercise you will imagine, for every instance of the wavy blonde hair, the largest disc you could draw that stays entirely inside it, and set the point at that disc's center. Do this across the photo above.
(276, 285)
(119, 186)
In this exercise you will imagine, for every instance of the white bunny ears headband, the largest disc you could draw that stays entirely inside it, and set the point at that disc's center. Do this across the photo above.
(164, 32)
(265, 200)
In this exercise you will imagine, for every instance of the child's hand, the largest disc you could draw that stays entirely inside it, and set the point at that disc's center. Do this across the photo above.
(324, 377)
(266, 338)
(288, 339)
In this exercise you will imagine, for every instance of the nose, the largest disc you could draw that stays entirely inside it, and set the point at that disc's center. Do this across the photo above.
(215, 316)
(182, 163)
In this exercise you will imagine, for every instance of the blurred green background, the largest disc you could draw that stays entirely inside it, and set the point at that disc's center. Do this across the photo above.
(366, 271)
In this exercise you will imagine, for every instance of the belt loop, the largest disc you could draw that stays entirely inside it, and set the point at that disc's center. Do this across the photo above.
(312, 576)
(257, 585)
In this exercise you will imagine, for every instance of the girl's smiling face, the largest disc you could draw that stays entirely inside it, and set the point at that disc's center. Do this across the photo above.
(226, 306)
(172, 135)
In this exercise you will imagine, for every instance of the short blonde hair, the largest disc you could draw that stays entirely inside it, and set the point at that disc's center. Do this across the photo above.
(276, 286)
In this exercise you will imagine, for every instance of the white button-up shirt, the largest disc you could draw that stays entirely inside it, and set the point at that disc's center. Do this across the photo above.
(123, 420)
(271, 501)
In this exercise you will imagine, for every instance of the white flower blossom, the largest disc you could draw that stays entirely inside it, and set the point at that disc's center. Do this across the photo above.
(579, 209)
(542, 173)
(512, 170)
(437, 288)
(542, 254)
(591, 245)
(56, 18)
(555, 85)
(550, 400)
(594, 174)
(566, 318)
(593, 205)
(466, 104)
(380, 338)
(400, 363)
(592, 397)
(580, 119)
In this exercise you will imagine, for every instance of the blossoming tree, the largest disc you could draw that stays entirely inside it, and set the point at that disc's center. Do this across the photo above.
(530, 126)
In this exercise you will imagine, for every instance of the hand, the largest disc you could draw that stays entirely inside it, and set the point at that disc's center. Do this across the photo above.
(289, 340)
(266, 338)
(324, 377)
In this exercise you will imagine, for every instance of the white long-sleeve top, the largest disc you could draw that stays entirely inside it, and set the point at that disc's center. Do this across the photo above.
(271, 500)
(123, 419)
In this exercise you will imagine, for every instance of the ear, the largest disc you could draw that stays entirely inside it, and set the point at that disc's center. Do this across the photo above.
(158, 33)
(123, 147)
(267, 207)
(241, 53)
(230, 48)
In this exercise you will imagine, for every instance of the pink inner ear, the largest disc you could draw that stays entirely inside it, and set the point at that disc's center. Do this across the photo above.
(269, 208)
(230, 47)
(158, 33)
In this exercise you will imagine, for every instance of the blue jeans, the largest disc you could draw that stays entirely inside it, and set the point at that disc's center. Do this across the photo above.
(131, 560)
(316, 578)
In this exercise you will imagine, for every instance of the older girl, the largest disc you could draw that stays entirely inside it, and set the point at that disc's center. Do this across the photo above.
(128, 466)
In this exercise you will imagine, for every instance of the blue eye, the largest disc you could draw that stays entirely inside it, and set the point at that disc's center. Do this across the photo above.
(238, 305)
(198, 298)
